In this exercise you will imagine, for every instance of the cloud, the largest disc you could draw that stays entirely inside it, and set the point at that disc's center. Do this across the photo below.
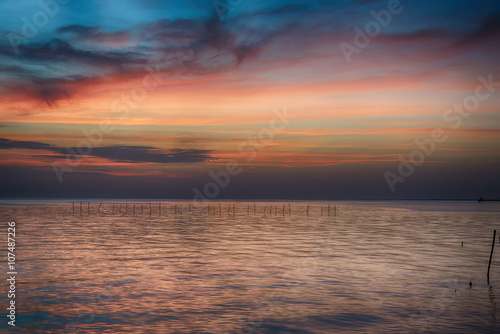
(18, 144)
(488, 30)
(150, 154)
(49, 91)
(129, 154)
(95, 34)
(58, 50)
(194, 48)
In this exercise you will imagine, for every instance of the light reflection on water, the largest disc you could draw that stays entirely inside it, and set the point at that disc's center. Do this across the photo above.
(368, 270)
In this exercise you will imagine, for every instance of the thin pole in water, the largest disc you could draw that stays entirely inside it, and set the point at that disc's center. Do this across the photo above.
(335, 210)
(289, 209)
(328, 210)
(150, 211)
(88, 208)
(99, 208)
(254, 208)
(113, 209)
(307, 210)
(80, 207)
(73, 207)
(491, 254)
(159, 208)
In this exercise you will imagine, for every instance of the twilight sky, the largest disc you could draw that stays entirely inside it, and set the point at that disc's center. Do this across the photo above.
(303, 99)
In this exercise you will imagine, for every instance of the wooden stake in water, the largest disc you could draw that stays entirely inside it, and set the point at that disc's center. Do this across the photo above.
(175, 209)
(289, 209)
(80, 207)
(181, 209)
(88, 208)
(150, 210)
(73, 207)
(265, 208)
(159, 208)
(335, 211)
(254, 208)
(491, 254)
(113, 212)
(307, 210)
(99, 208)
(328, 210)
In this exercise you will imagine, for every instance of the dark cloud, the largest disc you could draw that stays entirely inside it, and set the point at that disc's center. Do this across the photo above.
(79, 29)
(29, 82)
(187, 47)
(58, 50)
(150, 154)
(49, 91)
(130, 154)
(94, 33)
(488, 30)
(194, 47)
(13, 144)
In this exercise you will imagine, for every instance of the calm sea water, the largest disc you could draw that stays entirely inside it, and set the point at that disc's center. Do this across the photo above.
(375, 267)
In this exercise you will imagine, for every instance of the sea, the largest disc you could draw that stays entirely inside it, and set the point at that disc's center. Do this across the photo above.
(165, 266)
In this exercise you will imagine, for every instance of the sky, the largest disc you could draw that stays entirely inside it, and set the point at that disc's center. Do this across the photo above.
(239, 99)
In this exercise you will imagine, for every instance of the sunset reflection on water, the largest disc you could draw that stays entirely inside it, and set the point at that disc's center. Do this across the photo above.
(368, 270)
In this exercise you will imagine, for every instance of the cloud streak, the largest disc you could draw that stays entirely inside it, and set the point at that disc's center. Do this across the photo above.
(127, 154)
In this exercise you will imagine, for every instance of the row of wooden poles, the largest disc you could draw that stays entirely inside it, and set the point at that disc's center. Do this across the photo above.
(135, 208)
